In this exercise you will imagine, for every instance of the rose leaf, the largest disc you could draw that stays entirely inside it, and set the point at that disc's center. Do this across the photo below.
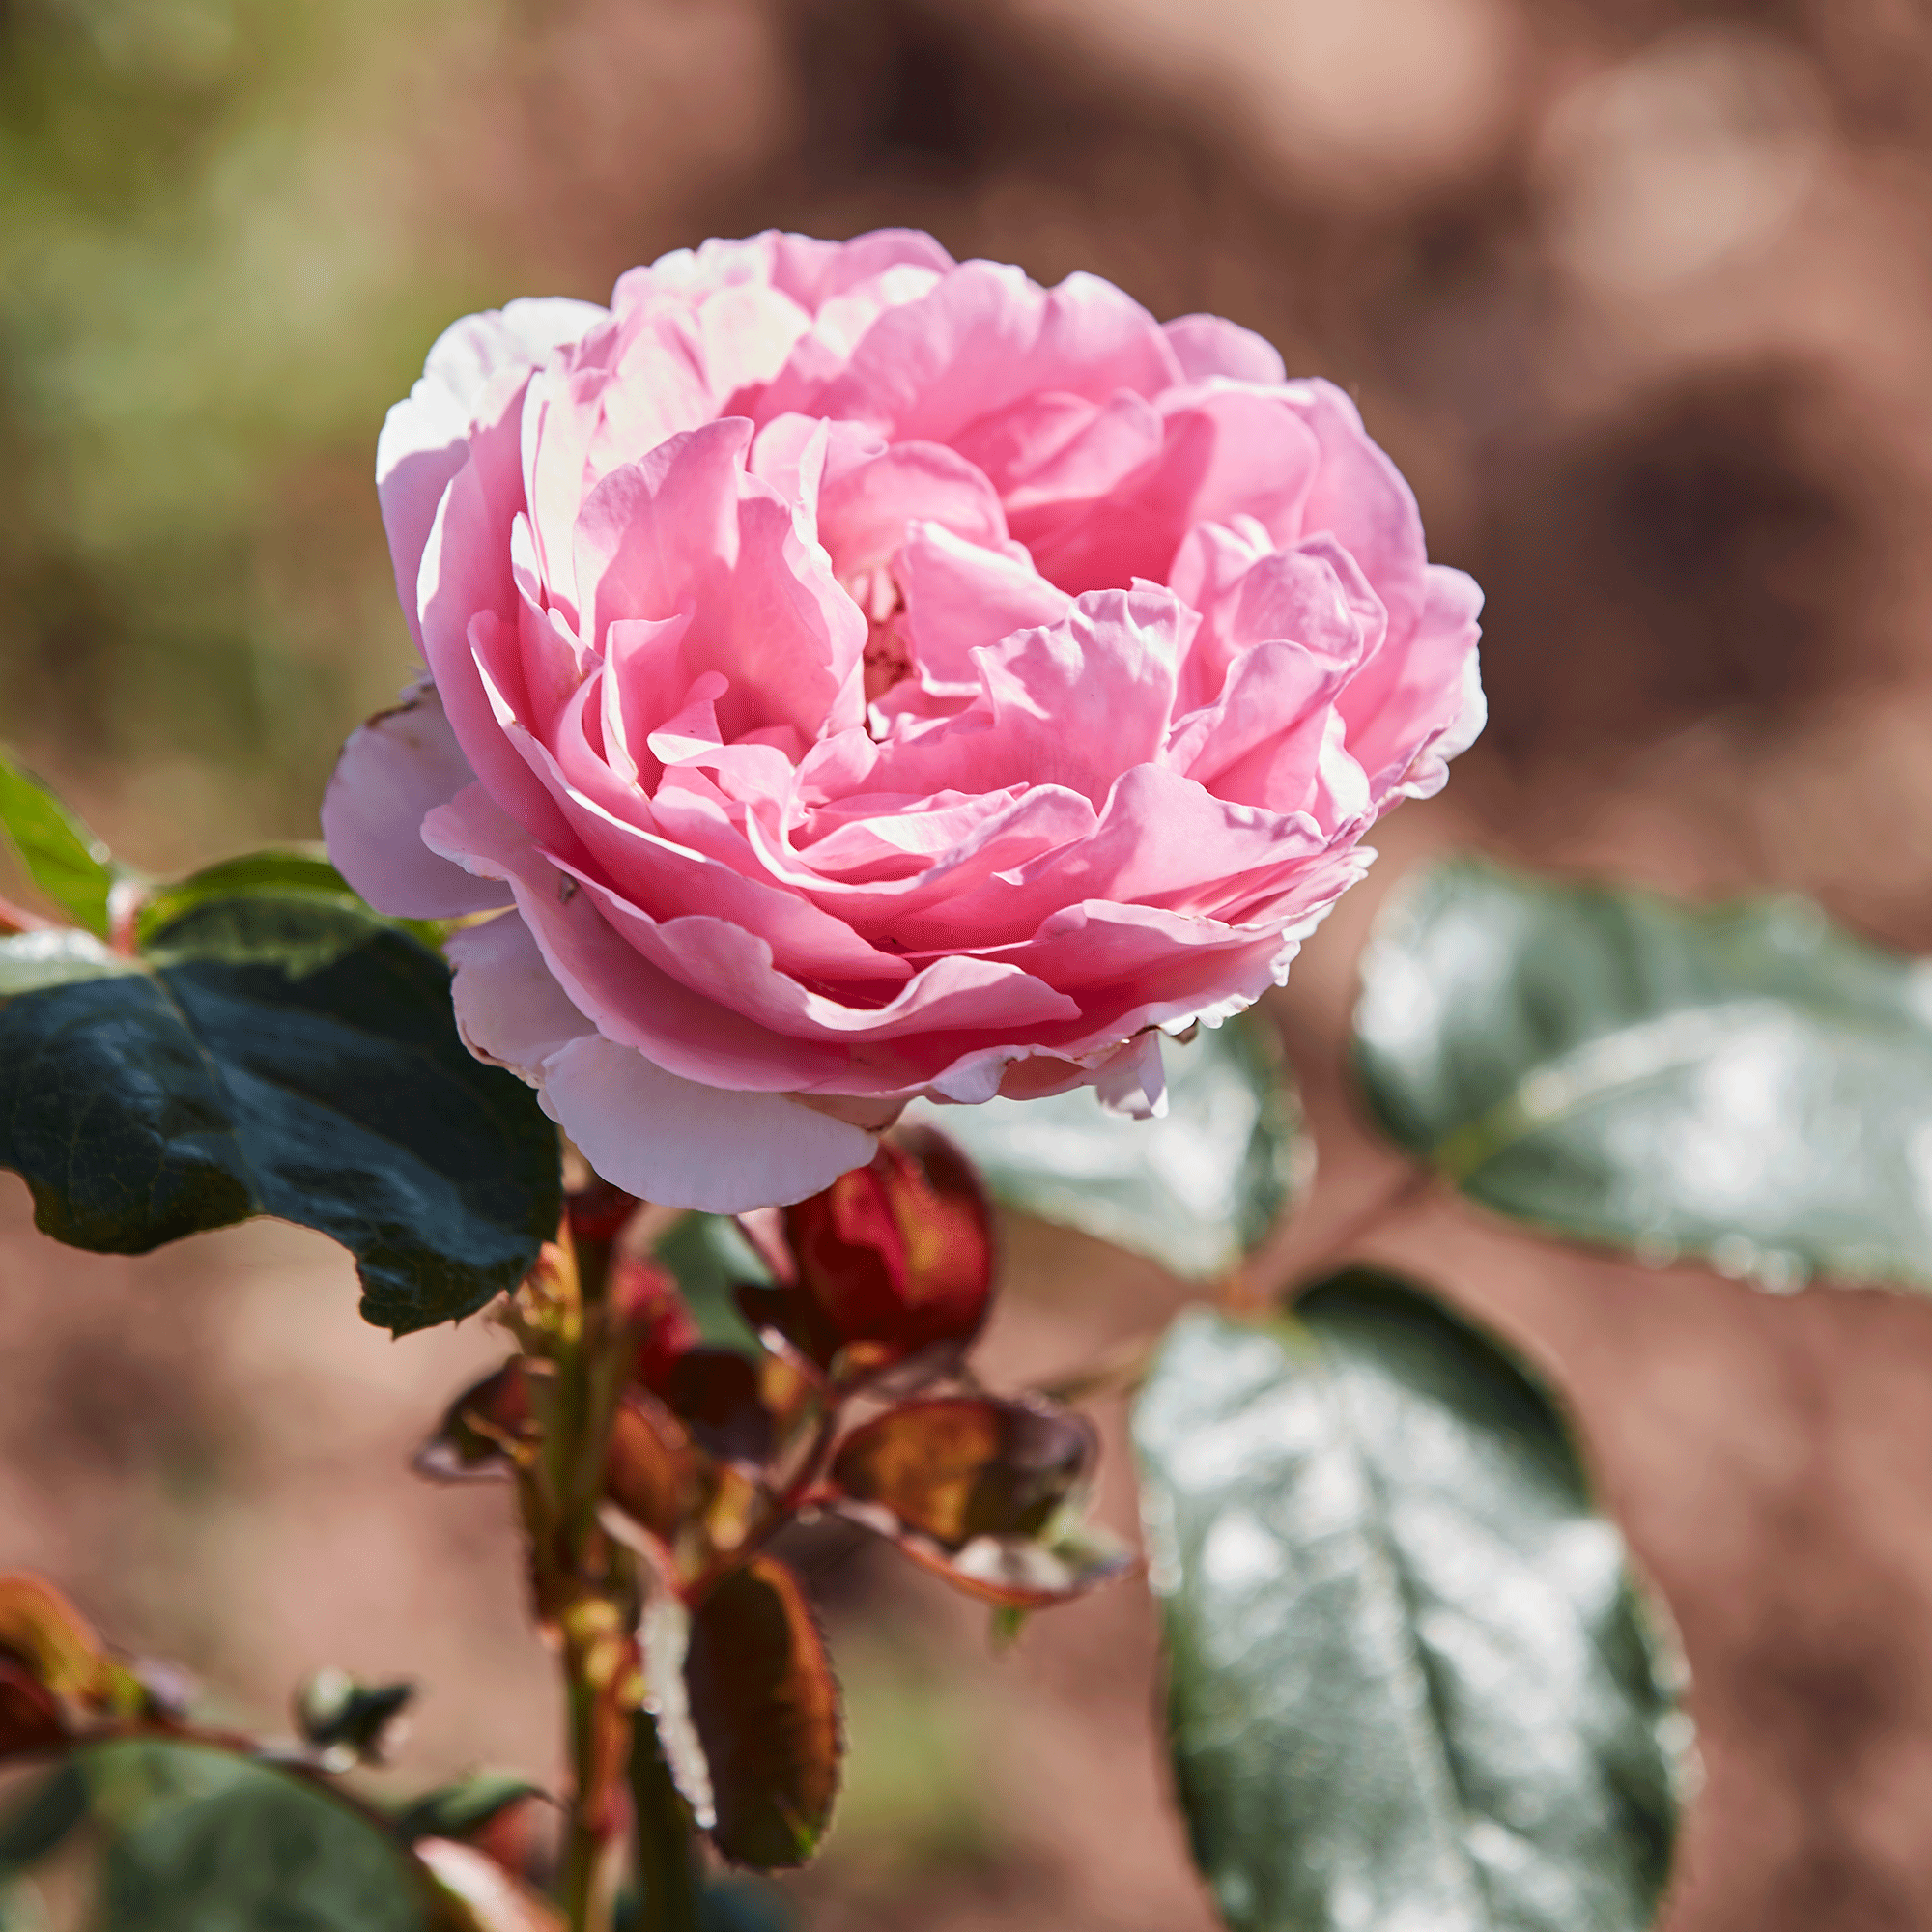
(765, 1707)
(62, 858)
(274, 1056)
(1745, 1083)
(1409, 1676)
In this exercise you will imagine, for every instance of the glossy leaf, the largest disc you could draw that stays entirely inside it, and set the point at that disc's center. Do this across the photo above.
(1196, 1189)
(765, 1706)
(1409, 1680)
(261, 1850)
(1745, 1083)
(482, 1429)
(272, 1057)
(62, 858)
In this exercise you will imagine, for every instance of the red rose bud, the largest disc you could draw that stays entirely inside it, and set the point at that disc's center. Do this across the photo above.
(646, 1299)
(892, 1259)
(598, 1212)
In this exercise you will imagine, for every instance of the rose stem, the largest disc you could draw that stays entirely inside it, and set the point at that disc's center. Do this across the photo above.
(666, 1864)
(584, 1589)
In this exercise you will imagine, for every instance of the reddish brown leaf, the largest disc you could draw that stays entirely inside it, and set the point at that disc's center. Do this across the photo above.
(482, 1430)
(52, 1640)
(653, 1471)
(977, 1491)
(765, 1705)
(892, 1260)
(1018, 1572)
(954, 1467)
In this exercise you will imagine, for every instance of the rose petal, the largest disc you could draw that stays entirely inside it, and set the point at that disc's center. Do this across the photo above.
(683, 1144)
(399, 766)
(422, 445)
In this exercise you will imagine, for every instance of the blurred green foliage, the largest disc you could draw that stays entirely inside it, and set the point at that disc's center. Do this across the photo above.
(215, 273)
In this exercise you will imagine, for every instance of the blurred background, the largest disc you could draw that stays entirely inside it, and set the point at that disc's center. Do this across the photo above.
(1636, 291)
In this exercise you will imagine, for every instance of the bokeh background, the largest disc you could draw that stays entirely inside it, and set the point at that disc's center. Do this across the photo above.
(1639, 295)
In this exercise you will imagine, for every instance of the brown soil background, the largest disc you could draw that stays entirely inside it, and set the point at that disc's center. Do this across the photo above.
(1638, 294)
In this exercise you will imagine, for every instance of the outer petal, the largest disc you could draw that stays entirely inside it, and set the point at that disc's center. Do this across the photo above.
(509, 1008)
(684, 1146)
(399, 766)
(1411, 711)
(423, 438)
(1209, 345)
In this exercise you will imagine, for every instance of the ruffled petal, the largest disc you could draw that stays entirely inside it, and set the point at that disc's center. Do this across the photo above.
(424, 438)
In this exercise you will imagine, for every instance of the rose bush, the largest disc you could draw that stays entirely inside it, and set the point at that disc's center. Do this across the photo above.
(862, 675)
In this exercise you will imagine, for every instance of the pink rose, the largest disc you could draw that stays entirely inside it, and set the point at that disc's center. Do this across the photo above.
(864, 675)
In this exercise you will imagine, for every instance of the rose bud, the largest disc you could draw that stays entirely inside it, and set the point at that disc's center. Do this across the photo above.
(893, 1260)
(645, 1298)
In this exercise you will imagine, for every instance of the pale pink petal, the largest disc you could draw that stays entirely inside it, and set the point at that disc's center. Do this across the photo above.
(628, 998)
(466, 586)
(1226, 451)
(509, 1008)
(1261, 742)
(1358, 495)
(1209, 345)
(959, 596)
(424, 437)
(1052, 450)
(864, 512)
(395, 769)
(810, 271)
(986, 337)
(1132, 1081)
(684, 1145)
(1410, 713)
(1070, 704)
(687, 528)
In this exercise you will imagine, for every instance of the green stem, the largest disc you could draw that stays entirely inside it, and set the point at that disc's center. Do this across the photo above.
(588, 1904)
(668, 1873)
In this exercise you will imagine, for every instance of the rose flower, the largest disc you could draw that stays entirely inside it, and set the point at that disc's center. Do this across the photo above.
(858, 675)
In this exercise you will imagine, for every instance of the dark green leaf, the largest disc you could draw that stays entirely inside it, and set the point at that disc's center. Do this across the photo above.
(277, 1057)
(37, 1820)
(264, 1854)
(457, 1810)
(62, 858)
(1745, 1083)
(765, 1705)
(1196, 1189)
(1409, 1680)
